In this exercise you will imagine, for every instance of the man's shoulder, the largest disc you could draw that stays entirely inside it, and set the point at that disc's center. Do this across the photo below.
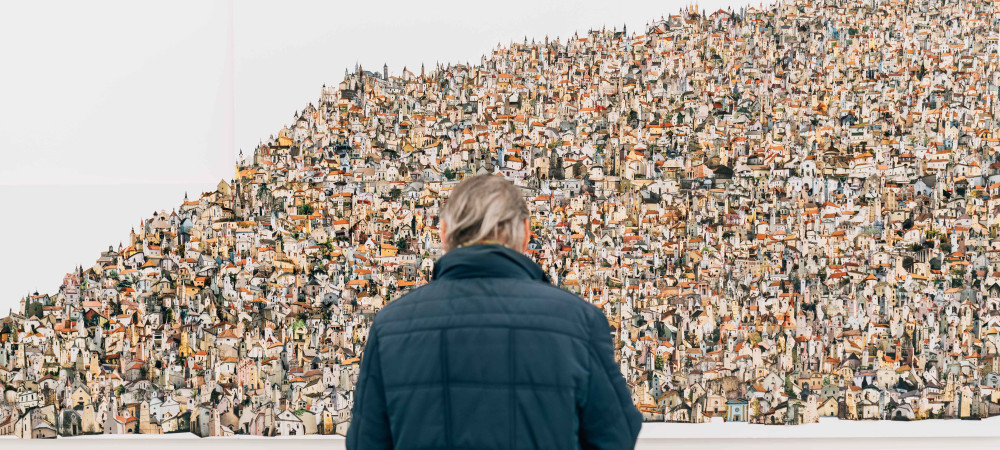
(539, 294)
(417, 295)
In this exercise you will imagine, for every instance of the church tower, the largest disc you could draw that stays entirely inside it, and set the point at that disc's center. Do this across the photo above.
(144, 416)
(185, 349)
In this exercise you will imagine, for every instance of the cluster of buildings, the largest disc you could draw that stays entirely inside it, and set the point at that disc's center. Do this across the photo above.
(785, 213)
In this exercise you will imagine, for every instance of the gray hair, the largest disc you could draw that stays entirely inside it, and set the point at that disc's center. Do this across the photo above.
(484, 207)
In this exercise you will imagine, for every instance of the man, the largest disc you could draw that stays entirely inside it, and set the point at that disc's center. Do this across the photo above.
(490, 355)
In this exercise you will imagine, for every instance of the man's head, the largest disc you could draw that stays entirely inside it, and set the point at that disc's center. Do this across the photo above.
(485, 207)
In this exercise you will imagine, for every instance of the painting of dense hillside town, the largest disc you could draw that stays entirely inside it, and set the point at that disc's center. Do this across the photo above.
(786, 212)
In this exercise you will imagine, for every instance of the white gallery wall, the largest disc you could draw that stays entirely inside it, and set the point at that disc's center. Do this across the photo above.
(109, 111)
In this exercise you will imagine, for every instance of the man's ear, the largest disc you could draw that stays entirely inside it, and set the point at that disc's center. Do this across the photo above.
(527, 235)
(444, 239)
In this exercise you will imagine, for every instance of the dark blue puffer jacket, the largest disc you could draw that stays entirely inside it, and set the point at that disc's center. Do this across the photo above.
(490, 355)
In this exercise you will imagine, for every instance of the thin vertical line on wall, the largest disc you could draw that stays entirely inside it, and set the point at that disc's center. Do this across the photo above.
(230, 82)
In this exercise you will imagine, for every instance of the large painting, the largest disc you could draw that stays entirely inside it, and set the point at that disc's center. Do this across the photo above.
(786, 213)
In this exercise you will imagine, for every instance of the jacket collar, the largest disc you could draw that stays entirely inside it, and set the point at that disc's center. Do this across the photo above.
(486, 261)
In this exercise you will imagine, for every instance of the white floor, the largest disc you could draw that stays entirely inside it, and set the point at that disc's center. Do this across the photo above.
(828, 434)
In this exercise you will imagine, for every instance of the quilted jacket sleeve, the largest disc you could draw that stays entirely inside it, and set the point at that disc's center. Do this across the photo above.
(369, 427)
(608, 419)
